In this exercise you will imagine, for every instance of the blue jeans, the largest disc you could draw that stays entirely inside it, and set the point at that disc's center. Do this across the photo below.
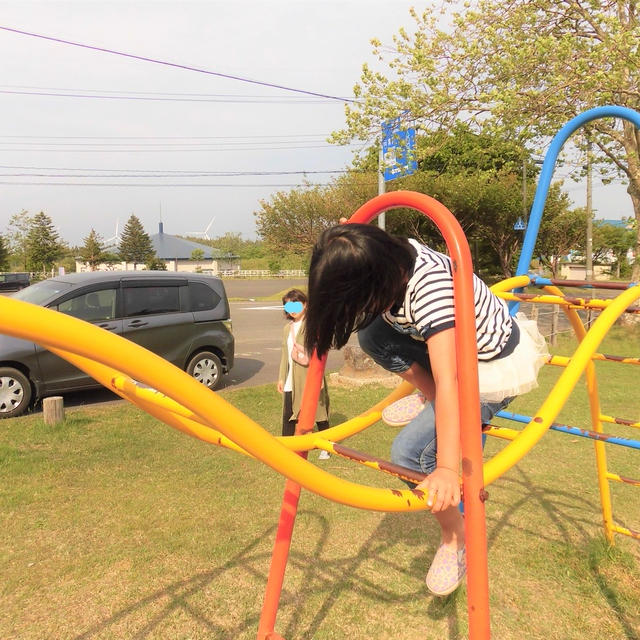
(415, 446)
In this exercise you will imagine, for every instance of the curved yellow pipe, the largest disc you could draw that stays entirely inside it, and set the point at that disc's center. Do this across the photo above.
(176, 415)
(26, 321)
(205, 415)
(531, 434)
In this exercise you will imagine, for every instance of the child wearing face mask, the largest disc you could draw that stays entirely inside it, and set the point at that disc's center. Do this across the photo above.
(294, 363)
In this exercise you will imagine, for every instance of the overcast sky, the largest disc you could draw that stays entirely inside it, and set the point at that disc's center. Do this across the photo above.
(75, 119)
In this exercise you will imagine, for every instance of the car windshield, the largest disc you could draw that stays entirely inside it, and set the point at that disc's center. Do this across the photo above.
(41, 291)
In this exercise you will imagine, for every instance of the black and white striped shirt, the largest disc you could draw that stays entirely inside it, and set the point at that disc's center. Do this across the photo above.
(428, 305)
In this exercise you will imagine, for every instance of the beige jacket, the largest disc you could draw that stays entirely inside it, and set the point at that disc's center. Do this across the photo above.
(299, 377)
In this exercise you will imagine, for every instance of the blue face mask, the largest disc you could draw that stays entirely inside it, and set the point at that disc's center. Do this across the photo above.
(293, 307)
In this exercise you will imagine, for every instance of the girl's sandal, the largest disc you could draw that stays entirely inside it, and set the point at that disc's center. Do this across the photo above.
(447, 571)
(403, 411)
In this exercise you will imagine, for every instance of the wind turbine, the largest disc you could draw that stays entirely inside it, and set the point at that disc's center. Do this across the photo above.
(115, 240)
(202, 234)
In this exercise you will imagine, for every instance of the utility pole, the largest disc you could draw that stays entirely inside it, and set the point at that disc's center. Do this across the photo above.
(382, 218)
(524, 191)
(589, 250)
(588, 275)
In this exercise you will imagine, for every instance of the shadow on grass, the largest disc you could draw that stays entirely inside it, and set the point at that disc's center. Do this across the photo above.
(562, 524)
(178, 595)
(560, 508)
(599, 553)
(327, 582)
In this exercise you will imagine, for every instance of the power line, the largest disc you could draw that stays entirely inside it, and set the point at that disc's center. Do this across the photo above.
(231, 99)
(250, 137)
(158, 185)
(175, 65)
(176, 150)
(218, 173)
(136, 93)
(166, 144)
(172, 174)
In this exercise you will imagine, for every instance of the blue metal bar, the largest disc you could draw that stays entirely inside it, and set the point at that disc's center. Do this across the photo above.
(546, 173)
(575, 431)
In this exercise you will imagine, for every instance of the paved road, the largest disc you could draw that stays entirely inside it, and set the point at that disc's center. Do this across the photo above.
(247, 289)
(257, 328)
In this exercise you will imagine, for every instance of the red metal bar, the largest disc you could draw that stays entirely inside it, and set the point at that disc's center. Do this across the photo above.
(587, 284)
(469, 398)
(289, 508)
(279, 558)
(469, 402)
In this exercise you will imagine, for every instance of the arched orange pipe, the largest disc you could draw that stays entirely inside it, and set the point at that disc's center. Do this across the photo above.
(469, 404)
(469, 397)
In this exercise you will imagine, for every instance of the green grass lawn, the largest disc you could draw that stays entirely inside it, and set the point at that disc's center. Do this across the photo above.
(114, 525)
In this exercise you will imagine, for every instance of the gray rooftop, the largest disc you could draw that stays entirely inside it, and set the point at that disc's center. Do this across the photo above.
(169, 247)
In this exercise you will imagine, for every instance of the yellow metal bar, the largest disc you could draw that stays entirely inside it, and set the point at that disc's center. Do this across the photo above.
(529, 436)
(623, 479)
(563, 361)
(626, 423)
(594, 408)
(626, 532)
(26, 321)
(560, 299)
(502, 432)
(177, 416)
(516, 282)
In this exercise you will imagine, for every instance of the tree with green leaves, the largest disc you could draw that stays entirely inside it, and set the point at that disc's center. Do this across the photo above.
(478, 177)
(135, 244)
(4, 254)
(155, 264)
(559, 235)
(292, 220)
(521, 69)
(92, 251)
(43, 244)
(18, 229)
(612, 241)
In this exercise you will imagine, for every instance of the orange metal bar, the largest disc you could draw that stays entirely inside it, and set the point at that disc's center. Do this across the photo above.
(469, 403)
(469, 398)
(289, 508)
(279, 558)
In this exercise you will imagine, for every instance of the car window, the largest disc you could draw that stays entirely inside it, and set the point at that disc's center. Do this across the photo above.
(202, 297)
(93, 306)
(42, 291)
(142, 301)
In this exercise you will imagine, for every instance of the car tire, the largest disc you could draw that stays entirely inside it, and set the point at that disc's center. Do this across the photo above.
(206, 367)
(15, 392)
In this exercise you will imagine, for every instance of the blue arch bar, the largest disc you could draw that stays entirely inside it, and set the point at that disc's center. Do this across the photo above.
(546, 173)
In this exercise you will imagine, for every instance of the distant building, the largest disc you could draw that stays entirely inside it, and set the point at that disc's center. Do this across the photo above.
(178, 255)
(615, 223)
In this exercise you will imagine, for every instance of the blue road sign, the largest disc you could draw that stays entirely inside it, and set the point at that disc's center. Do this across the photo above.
(520, 225)
(398, 146)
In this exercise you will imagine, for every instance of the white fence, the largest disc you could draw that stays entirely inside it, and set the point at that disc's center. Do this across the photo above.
(261, 273)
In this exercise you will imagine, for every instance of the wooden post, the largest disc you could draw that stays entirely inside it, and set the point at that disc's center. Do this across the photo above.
(53, 410)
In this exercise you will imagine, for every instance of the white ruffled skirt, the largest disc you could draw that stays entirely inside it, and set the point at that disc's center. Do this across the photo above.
(516, 373)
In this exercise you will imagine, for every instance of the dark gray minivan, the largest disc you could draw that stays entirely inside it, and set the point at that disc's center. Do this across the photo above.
(183, 317)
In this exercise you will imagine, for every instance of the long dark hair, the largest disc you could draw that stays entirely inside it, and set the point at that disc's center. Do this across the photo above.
(357, 271)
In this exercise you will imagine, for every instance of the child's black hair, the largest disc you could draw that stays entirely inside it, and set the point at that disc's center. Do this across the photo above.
(357, 271)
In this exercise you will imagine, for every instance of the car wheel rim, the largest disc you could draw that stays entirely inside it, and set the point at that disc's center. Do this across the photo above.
(11, 394)
(206, 372)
